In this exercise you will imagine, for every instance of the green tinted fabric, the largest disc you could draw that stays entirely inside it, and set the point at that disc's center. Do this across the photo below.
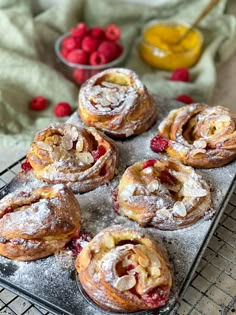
(29, 67)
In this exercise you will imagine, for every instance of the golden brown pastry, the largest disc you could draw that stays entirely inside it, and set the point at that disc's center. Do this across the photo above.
(124, 270)
(200, 136)
(163, 193)
(116, 102)
(37, 222)
(81, 158)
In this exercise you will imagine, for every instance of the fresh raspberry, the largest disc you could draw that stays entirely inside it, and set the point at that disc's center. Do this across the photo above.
(62, 109)
(180, 74)
(80, 75)
(81, 29)
(89, 44)
(149, 163)
(69, 43)
(155, 298)
(108, 49)
(167, 178)
(101, 150)
(119, 50)
(64, 52)
(97, 32)
(112, 32)
(26, 166)
(158, 144)
(97, 58)
(38, 103)
(185, 99)
(78, 56)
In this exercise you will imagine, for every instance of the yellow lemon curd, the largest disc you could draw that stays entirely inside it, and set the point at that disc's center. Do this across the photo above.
(160, 48)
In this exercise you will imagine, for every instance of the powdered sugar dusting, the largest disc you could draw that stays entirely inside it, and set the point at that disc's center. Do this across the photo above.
(53, 279)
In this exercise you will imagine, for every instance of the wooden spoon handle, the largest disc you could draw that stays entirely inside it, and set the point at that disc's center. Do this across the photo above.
(205, 11)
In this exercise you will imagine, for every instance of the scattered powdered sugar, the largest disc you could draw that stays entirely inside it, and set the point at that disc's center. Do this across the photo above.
(53, 279)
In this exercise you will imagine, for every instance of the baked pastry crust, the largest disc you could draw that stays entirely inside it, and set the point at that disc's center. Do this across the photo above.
(200, 136)
(116, 102)
(81, 158)
(125, 270)
(37, 222)
(163, 193)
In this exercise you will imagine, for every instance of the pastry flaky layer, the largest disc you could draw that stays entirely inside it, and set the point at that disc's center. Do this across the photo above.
(200, 136)
(125, 270)
(163, 193)
(37, 222)
(81, 158)
(116, 102)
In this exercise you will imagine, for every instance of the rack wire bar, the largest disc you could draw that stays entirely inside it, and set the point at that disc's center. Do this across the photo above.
(211, 291)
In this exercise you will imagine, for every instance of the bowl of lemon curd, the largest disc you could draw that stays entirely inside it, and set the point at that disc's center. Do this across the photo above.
(161, 47)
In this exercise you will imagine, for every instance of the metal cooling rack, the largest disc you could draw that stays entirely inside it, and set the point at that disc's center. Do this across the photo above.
(212, 290)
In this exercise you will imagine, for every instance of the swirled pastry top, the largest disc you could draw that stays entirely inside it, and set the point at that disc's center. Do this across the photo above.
(200, 136)
(80, 157)
(163, 193)
(117, 102)
(35, 223)
(125, 270)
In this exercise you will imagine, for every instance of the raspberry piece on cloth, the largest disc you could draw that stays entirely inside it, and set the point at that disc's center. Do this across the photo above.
(185, 99)
(112, 32)
(97, 58)
(62, 109)
(78, 56)
(180, 74)
(158, 144)
(38, 103)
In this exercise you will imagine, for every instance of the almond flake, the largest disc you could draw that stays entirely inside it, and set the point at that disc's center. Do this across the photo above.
(108, 240)
(79, 145)
(67, 142)
(179, 208)
(147, 170)
(85, 157)
(155, 271)
(74, 133)
(128, 191)
(200, 144)
(153, 186)
(125, 283)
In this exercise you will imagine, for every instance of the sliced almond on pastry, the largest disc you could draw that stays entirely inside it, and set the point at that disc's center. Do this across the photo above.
(124, 283)
(85, 157)
(153, 186)
(67, 142)
(79, 145)
(200, 144)
(147, 170)
(180, 209)
(154, 271)
(108, 240)
(142, 258)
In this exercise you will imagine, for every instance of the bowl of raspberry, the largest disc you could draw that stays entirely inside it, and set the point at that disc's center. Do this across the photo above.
(85, 51)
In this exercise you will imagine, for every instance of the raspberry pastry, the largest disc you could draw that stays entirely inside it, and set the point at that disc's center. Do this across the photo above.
(116, 102)
(36, 223)
(82, 158)
(200, 136)
(163, 193)
(124, 270)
